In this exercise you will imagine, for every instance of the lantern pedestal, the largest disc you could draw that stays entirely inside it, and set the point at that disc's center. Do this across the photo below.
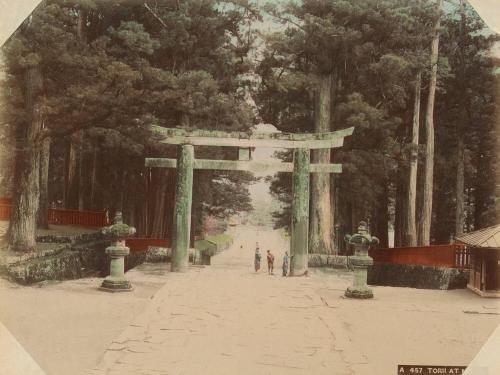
(116, 281)
(360, 262)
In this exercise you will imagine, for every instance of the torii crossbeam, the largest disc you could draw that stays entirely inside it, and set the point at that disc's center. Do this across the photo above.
(301, 167)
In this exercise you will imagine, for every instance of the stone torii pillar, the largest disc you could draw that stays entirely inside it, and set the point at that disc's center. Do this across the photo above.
(182, 213)
(301, 167)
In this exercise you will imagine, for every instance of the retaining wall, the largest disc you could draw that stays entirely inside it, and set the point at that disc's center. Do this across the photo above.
(400, 275)
(417, 276)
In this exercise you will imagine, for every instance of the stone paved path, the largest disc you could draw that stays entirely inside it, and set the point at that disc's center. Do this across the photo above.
(226, 319)
(66, 326)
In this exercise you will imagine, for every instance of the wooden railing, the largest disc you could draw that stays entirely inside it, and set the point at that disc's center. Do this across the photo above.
(462, 256)
(451, 256)
(142, 244)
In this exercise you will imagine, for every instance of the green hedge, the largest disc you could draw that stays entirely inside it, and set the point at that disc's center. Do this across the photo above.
(220, 239)
(212, 244)
(206, 247)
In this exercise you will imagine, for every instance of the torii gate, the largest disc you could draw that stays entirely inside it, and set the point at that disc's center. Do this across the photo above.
(301, 167)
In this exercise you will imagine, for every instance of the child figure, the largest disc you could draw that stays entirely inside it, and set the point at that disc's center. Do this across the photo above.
(270, 262)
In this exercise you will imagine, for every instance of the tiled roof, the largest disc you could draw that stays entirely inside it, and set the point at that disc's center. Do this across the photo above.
(486, 237)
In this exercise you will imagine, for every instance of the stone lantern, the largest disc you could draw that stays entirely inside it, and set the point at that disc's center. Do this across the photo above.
(117, 233)
(360, 261)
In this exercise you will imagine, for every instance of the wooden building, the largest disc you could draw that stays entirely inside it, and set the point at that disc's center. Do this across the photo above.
(484, 247)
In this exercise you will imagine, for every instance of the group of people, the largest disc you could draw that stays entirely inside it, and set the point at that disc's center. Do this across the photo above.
(270, 261)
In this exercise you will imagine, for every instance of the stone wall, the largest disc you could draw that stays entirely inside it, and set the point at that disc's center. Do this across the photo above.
(416, 276)
(64, 258)
(156, 254)
(400, 275)
(324, 260)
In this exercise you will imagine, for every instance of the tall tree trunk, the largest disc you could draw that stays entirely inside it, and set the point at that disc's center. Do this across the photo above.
(321, 220)
(159, 212)
(335, 197)
(338, 237)
(170, 205)
(426, 215)
(442, 208)
(496, 158)
(22, 226)
(43, 205)
(460, 182)
(410, 235)
(93, 177)
(123, 195)
(145, 205)
(486, 181)
(81, 174)
(344, 219)
(380, 218)
(400, 208)
(81, 33)
(70, 174)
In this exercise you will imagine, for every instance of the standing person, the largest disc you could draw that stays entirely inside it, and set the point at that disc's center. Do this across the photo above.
(285, 263)
(270, 262)
(257, 258)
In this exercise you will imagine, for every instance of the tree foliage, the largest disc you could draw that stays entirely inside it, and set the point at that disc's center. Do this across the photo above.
(111, 69)
(374, 50)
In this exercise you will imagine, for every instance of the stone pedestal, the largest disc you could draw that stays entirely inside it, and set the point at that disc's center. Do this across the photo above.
(360, 262)
(116, 281)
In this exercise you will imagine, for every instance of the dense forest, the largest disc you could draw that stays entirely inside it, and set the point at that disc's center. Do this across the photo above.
(416, 81)
(84, 79)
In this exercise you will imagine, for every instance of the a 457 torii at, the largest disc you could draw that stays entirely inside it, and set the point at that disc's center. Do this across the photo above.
(301, 167)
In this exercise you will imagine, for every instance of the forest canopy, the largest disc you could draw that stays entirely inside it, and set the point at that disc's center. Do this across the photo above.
(84, 79)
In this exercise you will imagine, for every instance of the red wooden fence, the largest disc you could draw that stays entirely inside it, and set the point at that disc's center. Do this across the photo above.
(142, 244)
(451, 256)
(74, 217)
(5, 211)
(62, 216)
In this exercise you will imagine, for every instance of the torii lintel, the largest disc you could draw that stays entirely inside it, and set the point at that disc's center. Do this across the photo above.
(176, 136)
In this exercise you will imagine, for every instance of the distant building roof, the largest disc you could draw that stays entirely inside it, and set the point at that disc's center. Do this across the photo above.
(486, 237)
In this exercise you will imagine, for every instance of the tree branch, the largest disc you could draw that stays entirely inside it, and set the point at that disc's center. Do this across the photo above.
(155, 15)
